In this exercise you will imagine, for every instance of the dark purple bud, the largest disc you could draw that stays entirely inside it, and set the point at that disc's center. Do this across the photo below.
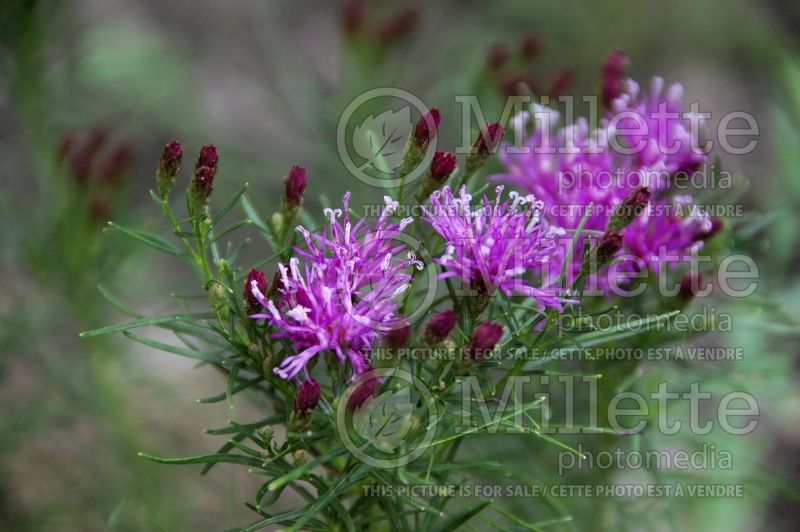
(488, 139)
(364, 391)
(427, 127)
(168, 167)
(398, 338)
(251, 304)
(631, 207)
(530, 46)
(562, 82)
(609, 245)
(442, 165)
(116, 164)
(516, 85)
(353, 16)
(208, 157)
(612, 76)
(440, 326)
(398, 26)
(294, 186)
(690, 286)
(64, 147)
(484, 338)
(497, 56)
(307, 397)
(83, 160)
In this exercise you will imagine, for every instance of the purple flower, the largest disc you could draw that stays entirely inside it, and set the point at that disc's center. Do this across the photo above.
(440, 326)
(494, 245)
(483, 340)
(341, 292)
(668, 134)
(571, 168)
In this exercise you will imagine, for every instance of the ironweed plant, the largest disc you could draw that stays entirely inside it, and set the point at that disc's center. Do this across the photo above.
(376, 339)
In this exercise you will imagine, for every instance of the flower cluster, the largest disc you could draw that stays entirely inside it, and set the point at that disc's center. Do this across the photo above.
(340, 292)
(574, 167)
(493, 245)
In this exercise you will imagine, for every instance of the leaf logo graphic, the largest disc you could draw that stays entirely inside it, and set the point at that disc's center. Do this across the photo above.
(385, 420)
(381, 140)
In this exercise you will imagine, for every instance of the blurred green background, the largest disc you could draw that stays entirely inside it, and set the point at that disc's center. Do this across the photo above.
(266, 82)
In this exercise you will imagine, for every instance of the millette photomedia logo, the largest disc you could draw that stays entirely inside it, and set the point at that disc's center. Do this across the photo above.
(391, 428)
(373, 133)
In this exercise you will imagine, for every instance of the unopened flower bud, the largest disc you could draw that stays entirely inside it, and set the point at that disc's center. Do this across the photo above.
(497, 56)
(294, 186)
(363, 392)
(168, 167)
(530, 46)
(483, 340)
(612, 76)
(609, 245)
(203, 182)
(488, 140)
(440, 326)
(442, 165)
(251, 304)
(630, 208)
(690, 286)
(208, 156)
(562, 82)
(353, 16)
(398, 26)
(307, 397)
(427, 127)
(217, 297)
(397, 338)
(116, 164)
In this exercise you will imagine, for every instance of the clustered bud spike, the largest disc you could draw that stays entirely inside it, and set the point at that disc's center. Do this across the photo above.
(427, 127)
(203, 182)
(168, 167)
(307, 397)
(440, 326)
(398, 26)
(294, 186)
(630, 208)
(483, 340)
(612, 76)
(251, 304)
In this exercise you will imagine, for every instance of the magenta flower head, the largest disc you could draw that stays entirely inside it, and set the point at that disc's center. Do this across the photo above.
(669, 136)
(294, 186)
(612, 76)
(440, 326)
(483, 340)
(341, 291)
(250, 302)
(442, 165)
(494, 244)
(427, 127)
(307, 397)
(168, 168)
